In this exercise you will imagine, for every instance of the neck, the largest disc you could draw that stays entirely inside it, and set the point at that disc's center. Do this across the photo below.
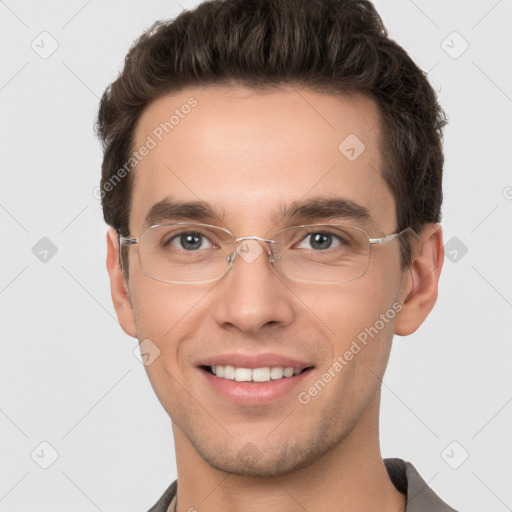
(352, 476)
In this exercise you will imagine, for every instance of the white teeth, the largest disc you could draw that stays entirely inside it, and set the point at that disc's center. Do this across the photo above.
(261, 374)
(229, 372)
(243, 374)
(277, 372)
(264, 374)
(288, 372)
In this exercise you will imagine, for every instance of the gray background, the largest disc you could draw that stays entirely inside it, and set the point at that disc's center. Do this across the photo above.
(68, 373)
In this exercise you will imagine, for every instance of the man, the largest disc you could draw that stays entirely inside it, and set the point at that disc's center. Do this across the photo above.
(272, 178)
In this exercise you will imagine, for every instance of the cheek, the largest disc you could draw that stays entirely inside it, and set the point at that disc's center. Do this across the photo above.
(164, 312)
(352, 307)
(360, 317)
(159, 306)
(362, 321)
(166, 315)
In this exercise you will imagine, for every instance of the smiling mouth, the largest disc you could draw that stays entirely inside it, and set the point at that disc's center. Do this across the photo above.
(263, 374)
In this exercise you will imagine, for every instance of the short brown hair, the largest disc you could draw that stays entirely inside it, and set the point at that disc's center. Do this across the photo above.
(335, 46)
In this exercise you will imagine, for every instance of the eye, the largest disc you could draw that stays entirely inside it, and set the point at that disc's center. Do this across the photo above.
(190, 241)
(320, 241)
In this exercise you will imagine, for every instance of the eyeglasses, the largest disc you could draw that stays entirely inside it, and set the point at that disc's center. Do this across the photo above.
(191, 253)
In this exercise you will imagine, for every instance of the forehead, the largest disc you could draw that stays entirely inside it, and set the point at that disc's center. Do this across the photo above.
(251, 154)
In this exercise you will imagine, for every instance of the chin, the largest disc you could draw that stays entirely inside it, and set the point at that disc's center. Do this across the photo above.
(270, 461)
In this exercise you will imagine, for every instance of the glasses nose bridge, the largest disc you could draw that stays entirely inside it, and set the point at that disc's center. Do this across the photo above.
(253, 237)
(261, 241)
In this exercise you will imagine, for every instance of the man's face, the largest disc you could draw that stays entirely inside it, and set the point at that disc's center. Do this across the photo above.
(250, 155)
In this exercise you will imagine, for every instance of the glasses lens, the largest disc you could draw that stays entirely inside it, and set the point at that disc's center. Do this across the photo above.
(192, 253)
(323, 253)
(184, 252)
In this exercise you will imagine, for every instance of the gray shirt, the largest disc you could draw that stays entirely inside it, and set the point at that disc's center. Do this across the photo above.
(420, 497)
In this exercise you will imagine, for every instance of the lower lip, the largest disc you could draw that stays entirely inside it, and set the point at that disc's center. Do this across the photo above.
(253, 393)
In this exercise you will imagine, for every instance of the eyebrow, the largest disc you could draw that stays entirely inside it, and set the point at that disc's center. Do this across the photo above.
(168, 209)
(307, 211)
(325, 208)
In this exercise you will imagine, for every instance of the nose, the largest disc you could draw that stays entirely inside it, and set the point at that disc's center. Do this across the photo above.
(252, 295)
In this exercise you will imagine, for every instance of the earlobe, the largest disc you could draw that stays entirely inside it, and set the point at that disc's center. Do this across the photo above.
(118, 286)
(420, 283)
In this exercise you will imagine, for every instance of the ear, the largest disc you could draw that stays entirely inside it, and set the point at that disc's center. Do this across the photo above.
(420, 281)
(118, 286)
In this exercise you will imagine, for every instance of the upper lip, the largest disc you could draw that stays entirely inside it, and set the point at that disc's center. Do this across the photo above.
(240, 360)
